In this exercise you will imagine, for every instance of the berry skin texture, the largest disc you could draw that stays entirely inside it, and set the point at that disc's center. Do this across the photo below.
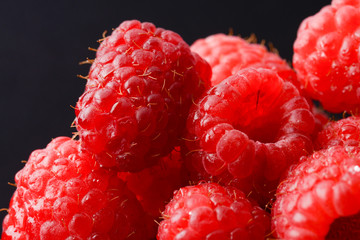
(228, 54)
(154, 186)
(253, 125)
(138, 93)
(63, 194)
(344, 132)
(326, 56)
(321, 119)
(319, 198)
(208, 211)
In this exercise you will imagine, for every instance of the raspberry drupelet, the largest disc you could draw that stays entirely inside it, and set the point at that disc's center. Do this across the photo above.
(344, 132)
(155, 185)
(208, 211)
(138, 93)
(326, 56)
(228, 54)
(321, 119)
(63, 194)
(251, 126)
(319, 198)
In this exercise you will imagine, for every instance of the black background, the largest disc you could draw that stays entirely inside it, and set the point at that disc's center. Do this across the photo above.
(42, 42)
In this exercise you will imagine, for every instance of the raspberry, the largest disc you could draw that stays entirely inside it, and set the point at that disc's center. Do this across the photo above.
(154, 186)
(342, 132)
(253, 125)
(209, 211)
(326, 56)
(320, 197)
(63, 194)
(229, 54)
(321, 119)
(138, 94)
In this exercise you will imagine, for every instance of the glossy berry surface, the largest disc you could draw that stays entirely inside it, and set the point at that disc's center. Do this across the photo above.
(326, 56)
(154, 186)
(228, 54)
(138, 94)
(319, 198)
(253, 125)
(63, 194)
(321, 120)
(208, 211)
(344, 132)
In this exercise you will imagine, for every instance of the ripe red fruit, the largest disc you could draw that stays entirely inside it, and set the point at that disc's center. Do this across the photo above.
(253, 125)
(319, 198)
(63, 194)
(345, 132)
(138, 94)
(229, 54)
(154, 186)
(326, 56)
(209, 211)
(321, 119)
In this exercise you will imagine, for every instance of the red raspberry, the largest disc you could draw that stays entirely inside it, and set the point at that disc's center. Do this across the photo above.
(229, 54)
(342, 132)
(319, 198)
(154, 186)
(63, 194)
(252, 125)
(138, 94)
(326, 56)
(209, 211)
(321, 119)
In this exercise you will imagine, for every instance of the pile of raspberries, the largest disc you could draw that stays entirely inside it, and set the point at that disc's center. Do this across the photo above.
(220, 140)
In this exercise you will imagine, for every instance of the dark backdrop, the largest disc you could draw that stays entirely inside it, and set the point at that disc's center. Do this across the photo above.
(42, 42)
